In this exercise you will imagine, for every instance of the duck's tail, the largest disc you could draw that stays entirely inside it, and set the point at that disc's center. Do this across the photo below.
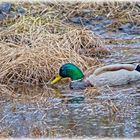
(137, 68)
(115, 67)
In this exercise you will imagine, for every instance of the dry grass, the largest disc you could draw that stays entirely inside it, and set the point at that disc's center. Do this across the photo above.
(120, 12)
(5, 133)
(84, 42)
(35, 45)
(38, 64)
(33, 48)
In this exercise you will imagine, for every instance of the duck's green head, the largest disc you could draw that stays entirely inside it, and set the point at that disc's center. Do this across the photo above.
(68, 70)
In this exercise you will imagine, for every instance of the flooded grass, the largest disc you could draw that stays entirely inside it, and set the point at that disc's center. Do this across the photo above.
(34, 44)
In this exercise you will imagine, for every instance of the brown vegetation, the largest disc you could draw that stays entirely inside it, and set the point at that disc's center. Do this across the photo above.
(31, 51)
(35, 45)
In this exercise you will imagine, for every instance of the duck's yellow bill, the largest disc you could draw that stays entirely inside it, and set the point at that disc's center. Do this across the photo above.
(57, 78)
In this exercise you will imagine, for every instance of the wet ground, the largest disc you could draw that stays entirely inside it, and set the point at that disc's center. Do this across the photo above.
(109, 112)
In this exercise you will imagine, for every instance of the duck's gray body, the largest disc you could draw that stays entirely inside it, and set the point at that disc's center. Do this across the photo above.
(122, 76)
(119, 77)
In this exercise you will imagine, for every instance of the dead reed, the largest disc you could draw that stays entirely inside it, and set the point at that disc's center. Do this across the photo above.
(120, 12)
(37, 65)
(32, 42)
(32, 51)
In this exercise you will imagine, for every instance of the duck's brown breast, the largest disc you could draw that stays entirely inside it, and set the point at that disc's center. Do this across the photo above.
(79, 84)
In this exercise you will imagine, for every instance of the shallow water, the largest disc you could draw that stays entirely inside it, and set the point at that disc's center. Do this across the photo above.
(68, 113)
(74, 113)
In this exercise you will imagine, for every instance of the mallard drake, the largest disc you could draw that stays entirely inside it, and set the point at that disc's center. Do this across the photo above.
(112, 75)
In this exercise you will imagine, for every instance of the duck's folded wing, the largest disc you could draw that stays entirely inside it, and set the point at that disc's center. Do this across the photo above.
(115, 67)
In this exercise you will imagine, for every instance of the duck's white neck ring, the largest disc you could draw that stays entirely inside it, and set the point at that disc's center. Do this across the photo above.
(76, 80)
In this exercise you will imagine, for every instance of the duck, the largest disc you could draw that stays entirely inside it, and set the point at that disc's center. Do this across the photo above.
(111, 75)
